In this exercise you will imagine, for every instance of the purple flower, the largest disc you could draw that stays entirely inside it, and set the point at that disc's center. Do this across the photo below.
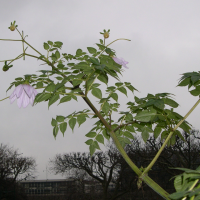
(24, 94)
(120, 61)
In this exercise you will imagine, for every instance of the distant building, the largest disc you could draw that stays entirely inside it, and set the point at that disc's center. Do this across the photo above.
(55, 187)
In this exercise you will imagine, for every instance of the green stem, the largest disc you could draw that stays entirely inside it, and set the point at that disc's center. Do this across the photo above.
(145, 178)
(111, 43)
(4, 99)
(10, 40)
(168, 138)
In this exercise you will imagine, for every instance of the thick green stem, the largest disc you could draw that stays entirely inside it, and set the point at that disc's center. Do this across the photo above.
(168, 138)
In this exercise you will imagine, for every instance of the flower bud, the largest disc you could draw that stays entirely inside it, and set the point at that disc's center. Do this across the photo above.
(5, 68)
(106, 35)
(12, 26)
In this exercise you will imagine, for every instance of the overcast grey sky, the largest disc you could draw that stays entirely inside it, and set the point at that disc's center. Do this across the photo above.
(165, 42)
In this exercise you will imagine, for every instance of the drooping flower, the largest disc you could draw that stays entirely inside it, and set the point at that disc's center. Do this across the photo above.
(24, 94)
(120, 61)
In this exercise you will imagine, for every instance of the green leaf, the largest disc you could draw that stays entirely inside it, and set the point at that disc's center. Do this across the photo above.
(55, 131)
(92, 149)
(60, 118)
(81, 119)
(184, 82)
(53, 122)
(91, 50)
(129, 135)
(106, 108)
(103, 78)
(105, 134)
(97, 93)
(164, 135)
(129, 117)
(51, 87)
(123, 90)
(157, 131)
(57, 54)
(53, 99)
(100, 138)
(79, 52)
(118, 84)
(178, 182)
(58, 44)
(114, 96)
(159, 103)
(39, 84)
(65, 99)
(72, 123)
(130, 128)
(46, 46)
(50, 42)
(42, 97)
(145, 132)
(145, 115)
(91, 134)
(196, 91)
(63, 127)
(89, 142)
(94, 61)
(171, 102)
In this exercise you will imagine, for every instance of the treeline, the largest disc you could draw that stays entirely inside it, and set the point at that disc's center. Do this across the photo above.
(14, 167)
(114, 179)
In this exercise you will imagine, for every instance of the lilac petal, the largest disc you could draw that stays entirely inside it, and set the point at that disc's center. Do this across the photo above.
(21, 99)
(12, 99)
(32, 99)
(28, 89)
(18, 90)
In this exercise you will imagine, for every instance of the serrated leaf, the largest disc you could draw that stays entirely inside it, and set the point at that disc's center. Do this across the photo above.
(50, 42)
(57, 54)
(89, 142)
(81, 119)
(105, 134)
(46, 46)
(171, 102)
(53, 99)
(123, 90)
(145, 132)
(92, 149)
(100, 138)
(129, 117)
(184, 82)
(157, 131)
(106, 107)
(72, 123)
(130, 128)
(51, 87)
(91, 50)
(118, 84)
(196, 91)
(79, 52)
(91, 134)
(97, 93)
(114, 96)
(60, 118)
(55, 131)
(129, 135)
(65, 99)
(159, 103)
(103, 78)
(39, 85)
(145, 115)
(63, 127)
(42, 97)
(53, 122)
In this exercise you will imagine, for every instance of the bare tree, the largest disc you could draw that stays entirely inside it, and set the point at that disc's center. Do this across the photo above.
(103, 167)
(14, 168)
